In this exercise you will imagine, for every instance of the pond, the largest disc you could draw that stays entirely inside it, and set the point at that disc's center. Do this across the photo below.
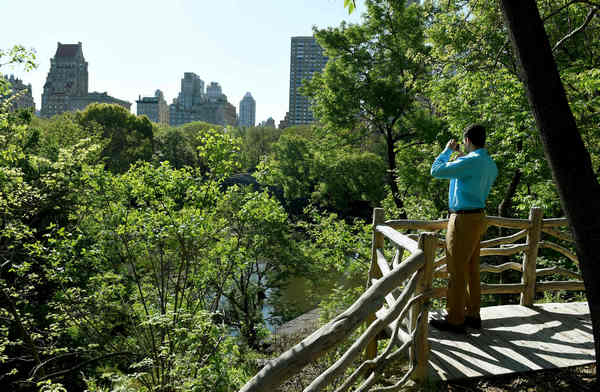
(301, 295)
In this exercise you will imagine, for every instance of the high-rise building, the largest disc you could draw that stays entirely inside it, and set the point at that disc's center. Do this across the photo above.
(306, 58)
(192, 91)
(66, 86)
(247, 111)
(193, 104)
(155, 108)
(20, 94)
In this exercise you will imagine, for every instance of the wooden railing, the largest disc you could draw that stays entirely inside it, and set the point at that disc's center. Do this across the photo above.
(397, 300)
(530, 229)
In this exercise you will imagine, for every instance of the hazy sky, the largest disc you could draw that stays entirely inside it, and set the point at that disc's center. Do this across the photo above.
(134, 47)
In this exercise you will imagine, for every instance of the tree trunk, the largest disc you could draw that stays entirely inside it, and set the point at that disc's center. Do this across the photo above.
(391, 158)
(563, 146)
(506, 204)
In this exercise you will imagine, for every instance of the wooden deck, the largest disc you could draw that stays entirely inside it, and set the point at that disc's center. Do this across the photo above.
(514, 339)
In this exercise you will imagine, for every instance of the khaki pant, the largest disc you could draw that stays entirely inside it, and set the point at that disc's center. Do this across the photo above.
(462, 250)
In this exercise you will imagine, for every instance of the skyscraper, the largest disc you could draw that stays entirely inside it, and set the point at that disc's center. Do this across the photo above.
(306, 58)
(247, 111)
(192, 90)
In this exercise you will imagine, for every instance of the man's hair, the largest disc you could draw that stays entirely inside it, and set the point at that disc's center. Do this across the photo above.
(476, 134)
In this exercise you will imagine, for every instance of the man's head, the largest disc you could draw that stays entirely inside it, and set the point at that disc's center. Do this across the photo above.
(474, 136)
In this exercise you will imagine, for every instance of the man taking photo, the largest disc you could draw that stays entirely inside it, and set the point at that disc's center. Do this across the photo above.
(471, 177)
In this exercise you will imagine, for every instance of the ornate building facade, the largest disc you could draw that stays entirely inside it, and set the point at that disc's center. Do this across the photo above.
(66, 87)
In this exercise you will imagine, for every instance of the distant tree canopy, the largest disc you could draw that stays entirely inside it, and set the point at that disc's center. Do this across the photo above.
(129, 138)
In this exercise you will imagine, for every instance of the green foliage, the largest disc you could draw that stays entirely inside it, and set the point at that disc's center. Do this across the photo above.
(480, 83)
(141, 266)
(62, 130)
(374, 81)
(18, 54)
(337, 177)
(179, 145)
(350, 4)
(129, 138)
(372, 75)
(36, 192)
(257, 143)
(291, 168)
(257, 253)
(154, 276)
(218, 153)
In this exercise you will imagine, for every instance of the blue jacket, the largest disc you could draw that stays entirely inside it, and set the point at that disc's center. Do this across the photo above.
(471, 178)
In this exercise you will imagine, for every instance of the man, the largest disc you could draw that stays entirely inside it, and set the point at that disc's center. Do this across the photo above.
(471, 178)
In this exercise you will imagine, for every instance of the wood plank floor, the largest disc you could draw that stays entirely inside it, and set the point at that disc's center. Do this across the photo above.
(514, 339)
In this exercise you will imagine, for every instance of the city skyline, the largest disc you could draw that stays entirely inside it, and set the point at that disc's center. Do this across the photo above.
(244, 46)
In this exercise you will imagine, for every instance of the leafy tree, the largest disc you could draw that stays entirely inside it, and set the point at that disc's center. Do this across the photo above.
(179, 145)
(137, 293)
(138, 281)
(35, 193)
(18, 54)
(257, 253)
(374, 79)
(337, 177)
(257, 143)
(129, 138)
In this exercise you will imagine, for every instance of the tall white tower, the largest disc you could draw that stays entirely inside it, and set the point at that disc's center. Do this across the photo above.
(247, 111)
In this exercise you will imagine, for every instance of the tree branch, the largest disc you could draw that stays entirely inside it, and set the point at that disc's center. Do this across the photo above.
(10, 306)
(84, 363)
(555, 12)
(587, 21)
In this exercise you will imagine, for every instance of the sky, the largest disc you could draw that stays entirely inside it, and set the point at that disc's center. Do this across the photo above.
(135, 47)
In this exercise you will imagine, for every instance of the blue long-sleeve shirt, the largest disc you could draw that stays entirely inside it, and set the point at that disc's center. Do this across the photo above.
(471, 178)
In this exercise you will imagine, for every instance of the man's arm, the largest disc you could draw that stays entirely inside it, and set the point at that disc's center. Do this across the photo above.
(441, 168)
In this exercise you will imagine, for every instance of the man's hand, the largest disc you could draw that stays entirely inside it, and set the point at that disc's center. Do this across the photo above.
(452, 144)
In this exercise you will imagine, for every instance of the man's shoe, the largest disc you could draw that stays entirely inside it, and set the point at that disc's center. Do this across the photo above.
(473, 322)
(444, 325)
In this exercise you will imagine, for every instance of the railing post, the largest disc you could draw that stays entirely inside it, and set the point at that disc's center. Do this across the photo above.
(530, 258)
(420, 352)
(377, 242)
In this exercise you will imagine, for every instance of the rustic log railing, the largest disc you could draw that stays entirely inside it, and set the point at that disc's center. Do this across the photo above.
(396, 301)
(531, 229)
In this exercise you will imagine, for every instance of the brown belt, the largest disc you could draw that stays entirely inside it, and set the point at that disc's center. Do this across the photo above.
(476, 211)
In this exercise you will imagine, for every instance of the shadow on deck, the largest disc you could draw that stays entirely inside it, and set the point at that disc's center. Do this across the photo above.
(514, 339)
